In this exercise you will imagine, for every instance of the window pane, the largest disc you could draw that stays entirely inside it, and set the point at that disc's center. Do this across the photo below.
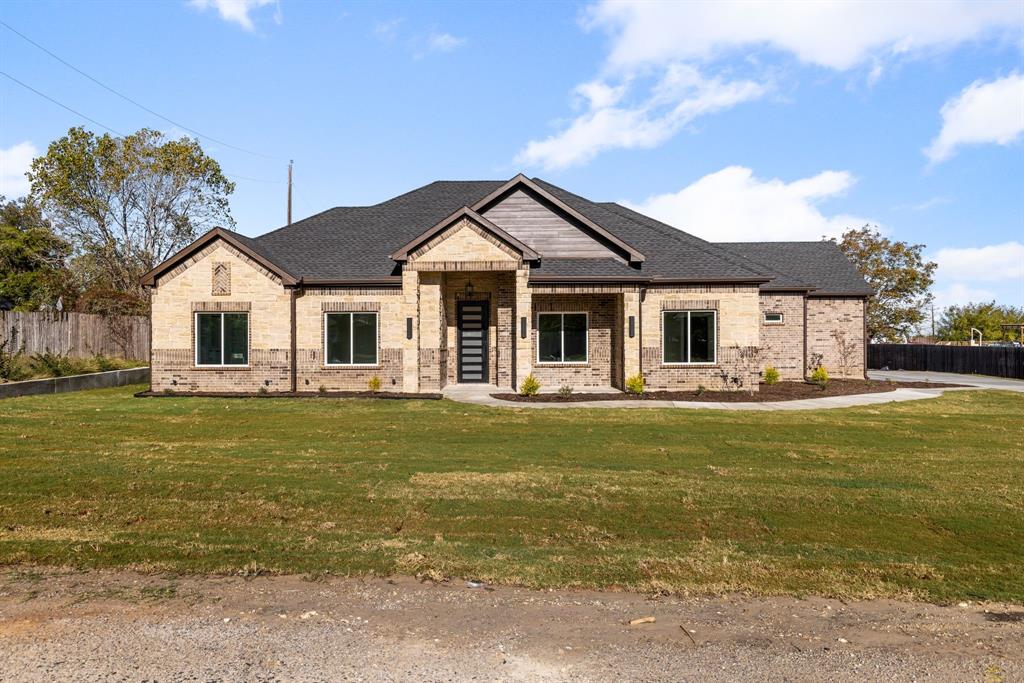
(208, 352)
(674, 336)
(702, 337)
(339, 340)
(549, 338)
(574, 327)
(236, 339)
(364, 330)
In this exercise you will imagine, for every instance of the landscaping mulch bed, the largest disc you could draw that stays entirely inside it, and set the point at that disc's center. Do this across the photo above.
(782, 391)
(288, 394)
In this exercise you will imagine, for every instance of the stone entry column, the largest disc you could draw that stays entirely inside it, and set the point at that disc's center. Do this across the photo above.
(523, 309)
(432, 333)
(410, 323)
(630, 345)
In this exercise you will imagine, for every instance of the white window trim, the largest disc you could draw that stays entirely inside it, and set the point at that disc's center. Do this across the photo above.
(714, 347)
(222, 364)
(352, 340)
(586, 315)
(780, 321)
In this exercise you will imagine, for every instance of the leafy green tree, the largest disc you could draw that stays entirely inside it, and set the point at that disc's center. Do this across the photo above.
(125, 204)
(33, 273)
(956, 321)
(900, 277)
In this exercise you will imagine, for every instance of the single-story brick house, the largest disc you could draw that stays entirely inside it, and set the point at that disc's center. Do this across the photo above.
(490, 281)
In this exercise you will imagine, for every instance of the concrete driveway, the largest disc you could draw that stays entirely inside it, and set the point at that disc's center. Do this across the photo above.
(950, 378)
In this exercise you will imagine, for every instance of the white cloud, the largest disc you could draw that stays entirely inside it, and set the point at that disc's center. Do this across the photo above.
(959, 294)
(982, 264)
(238, 11)
(732, 205)
(387, 31)
(840, 34)
(443, 42)
(990, 112)
(14, 162)
(679, 97)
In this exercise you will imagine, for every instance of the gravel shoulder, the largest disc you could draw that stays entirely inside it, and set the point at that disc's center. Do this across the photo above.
(124, 626)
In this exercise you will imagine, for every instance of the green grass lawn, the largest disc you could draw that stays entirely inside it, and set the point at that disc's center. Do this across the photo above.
(912, 500)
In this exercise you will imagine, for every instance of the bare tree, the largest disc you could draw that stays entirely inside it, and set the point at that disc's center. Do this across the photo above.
(749, 358)
(846, 349)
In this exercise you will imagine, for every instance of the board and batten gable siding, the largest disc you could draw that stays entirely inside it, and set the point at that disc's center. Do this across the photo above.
(542, 229)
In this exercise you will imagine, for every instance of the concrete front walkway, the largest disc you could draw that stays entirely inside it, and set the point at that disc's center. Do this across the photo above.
(480, 394)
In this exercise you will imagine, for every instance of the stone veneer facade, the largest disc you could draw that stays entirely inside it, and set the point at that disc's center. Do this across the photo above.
(417, 336)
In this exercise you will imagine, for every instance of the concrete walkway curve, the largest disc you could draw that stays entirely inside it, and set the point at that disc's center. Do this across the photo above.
(480, 394)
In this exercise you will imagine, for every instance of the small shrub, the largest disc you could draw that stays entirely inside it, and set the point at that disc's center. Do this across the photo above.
(565, 391)
(168, 391)
(635, 384)
(701, 390)
(11, 367)
(771, 375)
(374, 384)
(105, 363)
(322, 390)
(262, 391)
(820, 376)
(530, 386)
(48, 364)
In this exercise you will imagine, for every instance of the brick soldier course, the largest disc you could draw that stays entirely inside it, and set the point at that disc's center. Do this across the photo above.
(360, 294)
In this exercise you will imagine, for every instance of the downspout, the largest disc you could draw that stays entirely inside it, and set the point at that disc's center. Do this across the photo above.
(803, 371)
(297, 291)
(640, 333)
(865, 338)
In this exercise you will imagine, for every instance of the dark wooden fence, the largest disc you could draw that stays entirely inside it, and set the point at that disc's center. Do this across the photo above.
(997, 361)
(78, 335)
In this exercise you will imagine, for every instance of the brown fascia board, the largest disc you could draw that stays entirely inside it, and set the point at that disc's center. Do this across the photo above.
(355, 282)
(149, 279)
(849, 295)
(466, 212)
(634, 255)
(644, 280)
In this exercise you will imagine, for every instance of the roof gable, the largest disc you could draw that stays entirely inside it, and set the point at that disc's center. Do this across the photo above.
(428, 238)
(241, 243)
(530, 194)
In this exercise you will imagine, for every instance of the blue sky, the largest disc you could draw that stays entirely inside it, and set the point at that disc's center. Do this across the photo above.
(734, 122)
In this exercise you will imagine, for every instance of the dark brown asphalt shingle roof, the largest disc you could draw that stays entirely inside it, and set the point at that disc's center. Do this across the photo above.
(354, 243)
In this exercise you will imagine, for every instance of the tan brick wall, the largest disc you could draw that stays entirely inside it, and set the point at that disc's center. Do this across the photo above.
(784, 342)
(828, 315)
(309, 329)
(604, 341)
(464, 241)
(181, 291)
(738, 323)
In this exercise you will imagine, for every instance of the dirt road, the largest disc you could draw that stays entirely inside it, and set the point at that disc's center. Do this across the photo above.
(105, 626)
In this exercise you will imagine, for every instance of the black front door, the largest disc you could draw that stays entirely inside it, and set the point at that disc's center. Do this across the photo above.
(472, 343)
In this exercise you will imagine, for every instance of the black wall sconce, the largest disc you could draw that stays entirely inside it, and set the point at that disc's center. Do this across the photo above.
(522, 327)
(468, 289)
(632, 326)
(408, 328)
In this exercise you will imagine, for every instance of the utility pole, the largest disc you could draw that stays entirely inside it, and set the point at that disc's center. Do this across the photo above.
(290, 162)
(933, 321)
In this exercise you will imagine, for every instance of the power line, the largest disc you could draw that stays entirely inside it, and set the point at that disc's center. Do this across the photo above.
(105, 127)
(60, 104)
(126, 98)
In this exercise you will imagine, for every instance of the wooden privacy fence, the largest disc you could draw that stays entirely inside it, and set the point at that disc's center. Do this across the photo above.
(997, 361)
(78, 335)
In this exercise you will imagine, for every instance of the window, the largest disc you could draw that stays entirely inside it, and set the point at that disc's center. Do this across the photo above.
(350, 338)
(688, 337)
(561, 337)
(775, 318)
(222, 339)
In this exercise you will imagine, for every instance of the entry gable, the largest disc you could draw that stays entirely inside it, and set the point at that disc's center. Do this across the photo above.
(464, 236)
(551, 227)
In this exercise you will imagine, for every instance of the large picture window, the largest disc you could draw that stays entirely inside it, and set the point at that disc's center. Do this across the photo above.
(562, 338)
(222, 339)
(688, 337)
(350, 338)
